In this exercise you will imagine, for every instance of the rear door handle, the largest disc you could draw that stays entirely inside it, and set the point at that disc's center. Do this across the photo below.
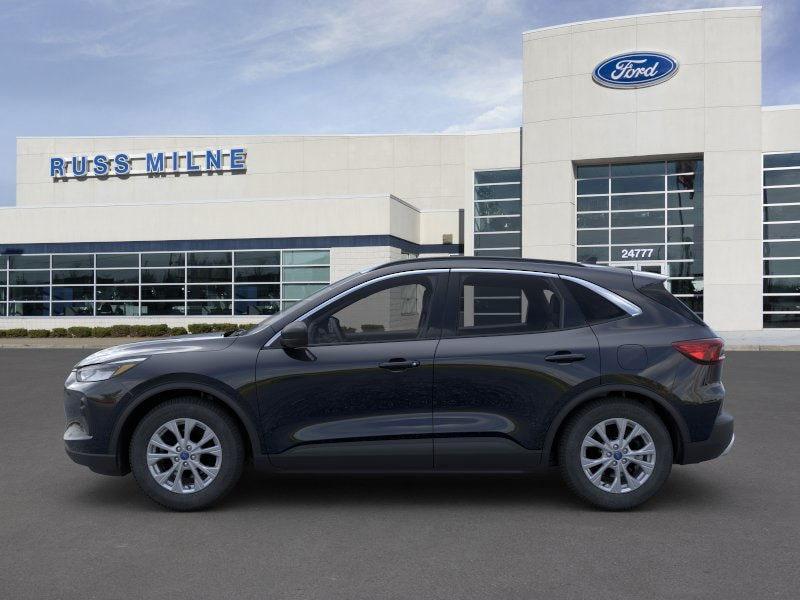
(564, 356)
(398, 364)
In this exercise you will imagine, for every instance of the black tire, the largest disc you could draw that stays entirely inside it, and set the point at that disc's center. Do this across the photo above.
(232, 459)
(581, 423)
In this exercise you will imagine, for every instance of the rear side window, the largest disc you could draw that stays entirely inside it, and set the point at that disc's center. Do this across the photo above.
(658, 292)
(595, 308)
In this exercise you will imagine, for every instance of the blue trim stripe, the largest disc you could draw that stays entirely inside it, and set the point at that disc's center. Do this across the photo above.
(337, 241)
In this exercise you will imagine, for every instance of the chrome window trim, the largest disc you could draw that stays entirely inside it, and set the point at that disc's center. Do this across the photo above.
(616, 299)
(505, 271)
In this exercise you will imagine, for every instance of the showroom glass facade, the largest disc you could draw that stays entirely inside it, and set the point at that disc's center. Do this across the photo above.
(208, 283)
(781, 301)
(497, 225)
(646, 216)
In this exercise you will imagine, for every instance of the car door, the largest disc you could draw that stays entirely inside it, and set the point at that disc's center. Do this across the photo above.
(360, 397)
(513, 349)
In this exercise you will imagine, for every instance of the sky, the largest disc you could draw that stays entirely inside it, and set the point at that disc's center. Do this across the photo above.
(170, 67)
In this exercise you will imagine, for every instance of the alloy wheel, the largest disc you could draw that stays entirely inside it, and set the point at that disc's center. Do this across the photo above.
(618, 455)
(184, 456)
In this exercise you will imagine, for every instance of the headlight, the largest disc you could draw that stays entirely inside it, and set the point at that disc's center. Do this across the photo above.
(105, 371)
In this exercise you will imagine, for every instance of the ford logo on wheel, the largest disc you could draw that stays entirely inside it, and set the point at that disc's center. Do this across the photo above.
(635, 70)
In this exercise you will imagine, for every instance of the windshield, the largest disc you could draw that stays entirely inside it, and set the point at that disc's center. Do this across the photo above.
(305, 304)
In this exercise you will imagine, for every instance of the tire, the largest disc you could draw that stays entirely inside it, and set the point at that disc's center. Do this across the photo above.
(636, 484)
(216, 479)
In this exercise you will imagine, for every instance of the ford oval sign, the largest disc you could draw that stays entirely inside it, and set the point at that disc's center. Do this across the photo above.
(635, 70)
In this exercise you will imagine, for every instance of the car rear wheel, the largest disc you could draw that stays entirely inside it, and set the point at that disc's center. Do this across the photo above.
(186, 454)
(615, 453)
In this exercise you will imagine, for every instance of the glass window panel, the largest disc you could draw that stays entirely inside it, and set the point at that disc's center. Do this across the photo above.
(117, 309)
(117, 261)
(637, 236)
(782, 285)
(587, 238)
(256, 292)
(3, 309)
(507, 252)
(511, 207)
(593, 220)
(647, 168)
(684, 199)
(782, 303)
(787, 177)
(782, 195)
(586, 171)
(2, 294)
(782, 213)
(782, 231)
(163, 259)
(637, 184)
(791, 159)
(498, 176)
(782, 267)
(680, 252)
(29, 277)
(209, 292)
(117, 276)
(209, 259)
(682, 182)
(779, 249)
(257, 273)
(73, 277)
(498, 224)
(684, 166)
(163, 276)
(680, 234)
(776, 321)
(162, 308)
(256, 308)
(637, 219)
(306, 274)
(297, 291)
(639, 252)
(209, 275)
(29, 293)
(72, 292)
(117, 292)
(495, 192)
(28, 309)
(306, 257)
(598, 254)
(266, 257)
(593, 203)
(695, 303)
(222, 307)
(592, 186)
(637, 201)
(497, 240)
(2, 277)
(26, 261)
(73, 309)
(685, 286)
(681, 217)
(73, 261)
(162, 292)
(680, 269)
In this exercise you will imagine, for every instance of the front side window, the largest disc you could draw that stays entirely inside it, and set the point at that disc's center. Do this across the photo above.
(393, 311)
(496, 304)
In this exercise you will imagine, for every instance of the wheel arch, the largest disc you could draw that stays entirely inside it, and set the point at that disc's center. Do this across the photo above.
(663, 409)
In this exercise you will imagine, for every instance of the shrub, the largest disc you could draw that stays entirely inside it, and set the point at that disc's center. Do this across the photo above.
(101, 332)
(120, 330)
(224, 327)
(156, 330)
(16, 332)
(59, 332)
(138, 330)
(38, 333)
(80, 332)
(177, 331)
(200, 328)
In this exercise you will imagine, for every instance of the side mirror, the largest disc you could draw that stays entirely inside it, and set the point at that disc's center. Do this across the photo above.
(295, 335)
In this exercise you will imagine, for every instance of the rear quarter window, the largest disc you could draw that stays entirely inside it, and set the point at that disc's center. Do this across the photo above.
(658, 292)
(594, 307)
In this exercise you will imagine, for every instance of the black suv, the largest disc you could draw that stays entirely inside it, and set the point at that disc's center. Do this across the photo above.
(448, 365)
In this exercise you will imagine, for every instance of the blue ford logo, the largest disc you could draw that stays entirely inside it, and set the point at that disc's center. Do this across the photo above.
(635, 70)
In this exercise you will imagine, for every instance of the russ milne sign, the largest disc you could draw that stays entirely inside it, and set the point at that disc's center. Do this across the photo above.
(150, 163)
(635, 70)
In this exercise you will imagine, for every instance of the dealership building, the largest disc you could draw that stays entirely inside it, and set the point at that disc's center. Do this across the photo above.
(643, 144)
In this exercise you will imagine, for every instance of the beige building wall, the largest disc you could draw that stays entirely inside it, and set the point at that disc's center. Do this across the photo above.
(711, 107)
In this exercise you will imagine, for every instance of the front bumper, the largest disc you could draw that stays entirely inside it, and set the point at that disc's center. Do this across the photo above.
(718, 443)
(105, 464)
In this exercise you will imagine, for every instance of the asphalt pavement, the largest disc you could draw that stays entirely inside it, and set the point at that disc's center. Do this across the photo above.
(725, 529)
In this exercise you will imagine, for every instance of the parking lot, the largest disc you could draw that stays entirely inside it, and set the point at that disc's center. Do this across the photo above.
(725, 529)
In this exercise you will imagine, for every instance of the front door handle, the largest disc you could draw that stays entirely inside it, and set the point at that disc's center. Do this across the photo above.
(564, 356)
(398, 364)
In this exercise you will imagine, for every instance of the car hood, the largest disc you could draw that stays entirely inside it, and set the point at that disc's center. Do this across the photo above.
(184, 343)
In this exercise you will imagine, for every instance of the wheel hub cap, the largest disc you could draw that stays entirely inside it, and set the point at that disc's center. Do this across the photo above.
(618, 455)
(178, 470)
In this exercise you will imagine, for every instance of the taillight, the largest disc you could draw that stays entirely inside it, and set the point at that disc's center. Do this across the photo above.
(705, 352)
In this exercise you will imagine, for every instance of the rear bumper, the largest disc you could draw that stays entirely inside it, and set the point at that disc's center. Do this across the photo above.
(718, 443)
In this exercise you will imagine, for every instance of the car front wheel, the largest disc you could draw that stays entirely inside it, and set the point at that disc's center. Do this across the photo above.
(615, 453)
(186, 454)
